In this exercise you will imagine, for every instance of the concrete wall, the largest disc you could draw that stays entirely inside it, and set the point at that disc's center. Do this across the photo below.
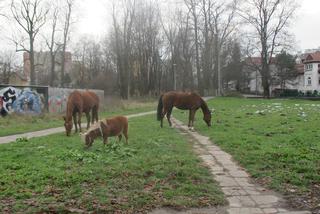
(58, 97)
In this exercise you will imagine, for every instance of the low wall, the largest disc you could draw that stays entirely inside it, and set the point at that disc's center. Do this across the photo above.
(36, 99)
(57, 100)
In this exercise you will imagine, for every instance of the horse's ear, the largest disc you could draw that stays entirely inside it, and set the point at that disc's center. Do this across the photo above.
(64, 118)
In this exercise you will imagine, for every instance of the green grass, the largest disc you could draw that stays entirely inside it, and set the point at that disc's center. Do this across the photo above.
(57, 174)
(17, 124)
(277, 141)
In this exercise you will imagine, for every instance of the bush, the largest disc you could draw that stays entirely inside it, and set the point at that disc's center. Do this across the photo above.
(286, 92)
(233, 94)
(315, 93)
(308, 94)
(301, 94)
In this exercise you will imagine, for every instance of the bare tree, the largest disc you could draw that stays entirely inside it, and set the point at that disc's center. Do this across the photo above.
(222, 25)
(123, 44)
(53, 45)
(6, 66)
(194, 10)
(269, 20)
(66, 34)
(30, 15)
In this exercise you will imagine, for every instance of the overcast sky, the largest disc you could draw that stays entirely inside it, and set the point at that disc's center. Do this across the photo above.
(94, 18)
(306, 24)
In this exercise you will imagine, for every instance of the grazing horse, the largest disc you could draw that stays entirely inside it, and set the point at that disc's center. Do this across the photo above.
(79, 102)
(184, 101)
(116, 126)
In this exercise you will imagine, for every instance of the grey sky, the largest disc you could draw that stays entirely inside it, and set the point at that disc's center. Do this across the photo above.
(94, 18)
(305, 26)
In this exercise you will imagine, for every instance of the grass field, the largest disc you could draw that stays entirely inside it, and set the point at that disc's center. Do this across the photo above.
(56, 174)
(16, 124)
(277, 141)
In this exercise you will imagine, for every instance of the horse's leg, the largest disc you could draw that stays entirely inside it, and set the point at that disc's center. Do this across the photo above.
(88, 119)
(75, 121)
(169, 115)
(193, 112)
(162, 116)
(120, 137)
(79, 120)
(125, 133)
(189, 123)
(92, 116)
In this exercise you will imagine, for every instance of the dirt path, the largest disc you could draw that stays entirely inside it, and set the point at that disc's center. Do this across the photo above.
(243, 195)
(45, 132)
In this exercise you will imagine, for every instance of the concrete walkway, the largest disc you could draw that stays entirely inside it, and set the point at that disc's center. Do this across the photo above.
(45, 132)
(243, 195)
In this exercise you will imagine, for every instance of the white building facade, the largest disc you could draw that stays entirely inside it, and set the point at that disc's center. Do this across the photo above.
(311, 76)
(308, 77)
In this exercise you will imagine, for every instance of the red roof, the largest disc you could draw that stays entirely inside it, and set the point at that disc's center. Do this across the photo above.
(312, 57)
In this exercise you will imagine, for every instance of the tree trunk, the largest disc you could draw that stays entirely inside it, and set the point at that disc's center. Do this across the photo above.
(32, 66)
(52, 76)
(200, 85)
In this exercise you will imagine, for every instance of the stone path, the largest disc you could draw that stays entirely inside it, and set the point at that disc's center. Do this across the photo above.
(243, 195)
(45, 132)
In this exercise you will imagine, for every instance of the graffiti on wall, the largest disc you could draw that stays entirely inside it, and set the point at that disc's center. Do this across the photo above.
(23, 101)
(57, 103)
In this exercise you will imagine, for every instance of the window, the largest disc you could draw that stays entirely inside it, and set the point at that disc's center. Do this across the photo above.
(309, 67)
(309, 82)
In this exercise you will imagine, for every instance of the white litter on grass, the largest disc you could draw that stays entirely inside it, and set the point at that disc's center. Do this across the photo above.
(302, 114)
(260, 112)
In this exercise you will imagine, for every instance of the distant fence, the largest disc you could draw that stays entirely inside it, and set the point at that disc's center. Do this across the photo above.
(35, 99)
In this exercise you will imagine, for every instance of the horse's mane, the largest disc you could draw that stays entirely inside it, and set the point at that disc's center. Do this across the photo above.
(204, 106)
(70, 105)
(94, 127)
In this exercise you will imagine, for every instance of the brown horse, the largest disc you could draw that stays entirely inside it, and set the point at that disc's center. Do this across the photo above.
(79, 102)
(183, 101)
(116, 126)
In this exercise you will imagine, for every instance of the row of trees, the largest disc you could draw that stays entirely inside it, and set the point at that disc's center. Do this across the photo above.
(201, 38)
(199, 45)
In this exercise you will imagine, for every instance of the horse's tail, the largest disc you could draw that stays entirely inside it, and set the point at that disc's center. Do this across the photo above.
(160, 106)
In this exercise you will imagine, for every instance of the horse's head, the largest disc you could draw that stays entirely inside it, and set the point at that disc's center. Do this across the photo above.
(87, 139)
(207, 118)
(68, 125)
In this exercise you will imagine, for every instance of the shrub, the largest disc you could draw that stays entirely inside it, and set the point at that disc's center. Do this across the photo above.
(286, 92)
(232, 94)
